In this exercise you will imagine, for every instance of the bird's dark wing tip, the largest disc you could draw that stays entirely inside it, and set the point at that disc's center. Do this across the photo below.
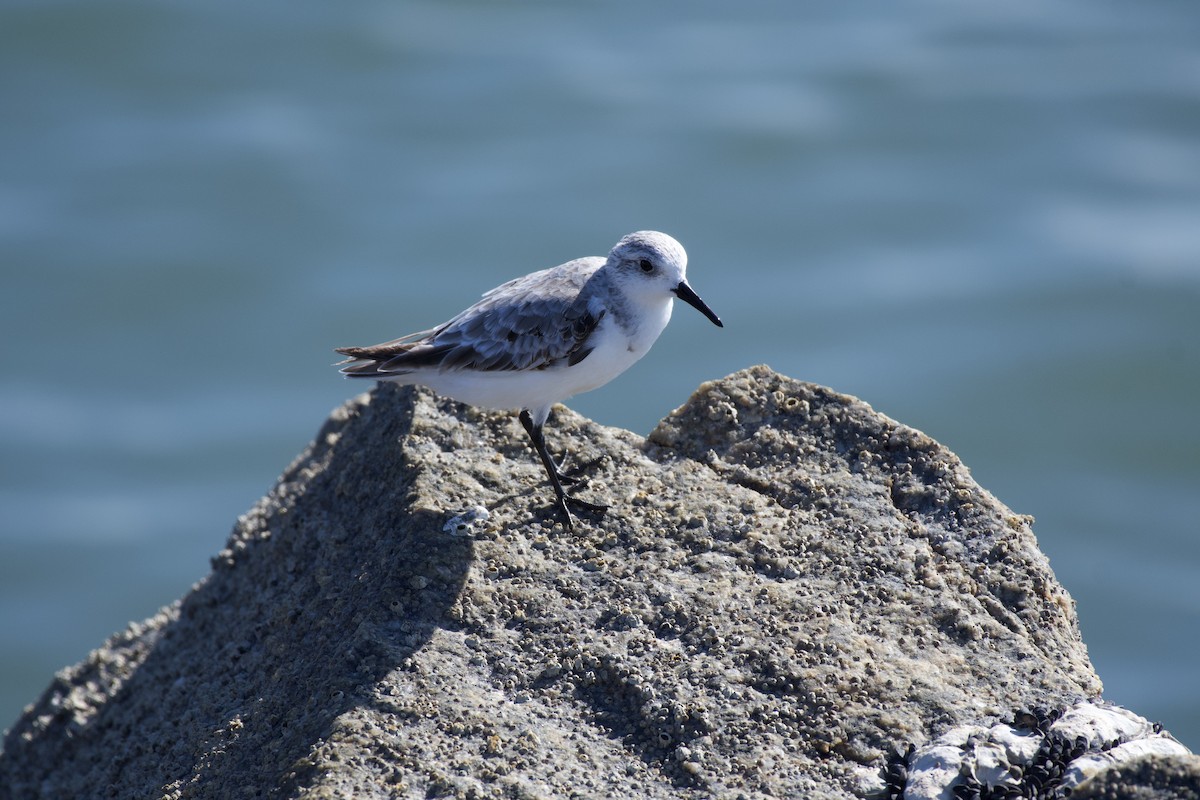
(358, 352)
(352, 368)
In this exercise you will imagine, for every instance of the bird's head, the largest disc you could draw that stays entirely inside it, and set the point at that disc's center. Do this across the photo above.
(650, 266)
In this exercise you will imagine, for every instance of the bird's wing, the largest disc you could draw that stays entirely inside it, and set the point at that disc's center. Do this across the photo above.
(533, 322)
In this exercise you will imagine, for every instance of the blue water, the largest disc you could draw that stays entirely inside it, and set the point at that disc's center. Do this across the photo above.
(983, 220)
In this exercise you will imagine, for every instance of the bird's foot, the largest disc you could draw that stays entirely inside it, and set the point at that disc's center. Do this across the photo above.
(576, 473)
(565, 499)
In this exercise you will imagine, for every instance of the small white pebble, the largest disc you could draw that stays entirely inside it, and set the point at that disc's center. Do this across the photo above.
(465, 523)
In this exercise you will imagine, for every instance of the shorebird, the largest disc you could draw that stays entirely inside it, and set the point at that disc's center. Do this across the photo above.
(544, 337)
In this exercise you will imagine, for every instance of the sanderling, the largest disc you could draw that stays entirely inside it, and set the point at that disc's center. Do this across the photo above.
(544, 337)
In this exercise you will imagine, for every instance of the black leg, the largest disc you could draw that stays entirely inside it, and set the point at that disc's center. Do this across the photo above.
(561, 498)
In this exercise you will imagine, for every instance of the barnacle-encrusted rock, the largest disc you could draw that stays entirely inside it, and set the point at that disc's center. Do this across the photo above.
(1040, 755)
(788, 588)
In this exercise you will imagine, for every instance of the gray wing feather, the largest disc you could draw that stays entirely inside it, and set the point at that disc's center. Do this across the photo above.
(533, 322)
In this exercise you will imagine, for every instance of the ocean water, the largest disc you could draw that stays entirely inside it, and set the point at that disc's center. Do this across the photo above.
(984, 220)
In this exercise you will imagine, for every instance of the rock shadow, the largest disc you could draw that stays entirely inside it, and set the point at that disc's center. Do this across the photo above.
(326, 586)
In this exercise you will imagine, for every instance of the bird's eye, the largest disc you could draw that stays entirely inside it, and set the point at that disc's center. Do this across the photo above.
(646, 265)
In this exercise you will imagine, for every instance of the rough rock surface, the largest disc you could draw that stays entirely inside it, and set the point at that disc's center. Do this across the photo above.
(1041, 754)
(787, 586)
(1175, 778)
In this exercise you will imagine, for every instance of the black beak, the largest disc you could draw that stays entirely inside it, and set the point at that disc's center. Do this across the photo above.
(687, 295)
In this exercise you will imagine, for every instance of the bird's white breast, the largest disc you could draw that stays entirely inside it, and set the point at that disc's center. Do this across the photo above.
(614, 350)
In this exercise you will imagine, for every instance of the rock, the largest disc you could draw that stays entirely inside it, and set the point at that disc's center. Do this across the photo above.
(1146, 778)
(1039, 755)
(787, 588)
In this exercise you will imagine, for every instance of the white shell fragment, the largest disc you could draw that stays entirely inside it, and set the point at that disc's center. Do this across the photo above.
(465, 523)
